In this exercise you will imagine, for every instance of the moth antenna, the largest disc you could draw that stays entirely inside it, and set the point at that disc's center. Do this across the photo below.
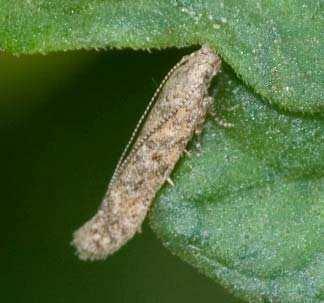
(152, 131)
(140, 122)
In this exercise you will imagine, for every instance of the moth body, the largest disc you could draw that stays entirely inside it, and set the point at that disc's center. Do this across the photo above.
(180, 107)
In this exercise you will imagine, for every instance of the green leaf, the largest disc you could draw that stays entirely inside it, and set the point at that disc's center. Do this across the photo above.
(275, 46)
(247, 207)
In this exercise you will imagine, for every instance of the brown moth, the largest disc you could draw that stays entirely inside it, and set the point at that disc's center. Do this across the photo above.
(176, 111)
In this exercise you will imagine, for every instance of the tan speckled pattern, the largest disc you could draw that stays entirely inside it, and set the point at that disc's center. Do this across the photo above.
(179, 110)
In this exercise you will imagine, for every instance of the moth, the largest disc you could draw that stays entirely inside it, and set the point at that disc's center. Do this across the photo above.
(175, 113)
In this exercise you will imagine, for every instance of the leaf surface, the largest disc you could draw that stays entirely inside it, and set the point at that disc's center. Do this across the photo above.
(275, 46)
(247, 208)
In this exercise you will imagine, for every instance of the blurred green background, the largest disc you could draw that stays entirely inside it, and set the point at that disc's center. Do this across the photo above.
(64, 120)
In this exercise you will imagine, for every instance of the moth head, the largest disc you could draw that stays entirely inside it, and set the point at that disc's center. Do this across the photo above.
(211, 59)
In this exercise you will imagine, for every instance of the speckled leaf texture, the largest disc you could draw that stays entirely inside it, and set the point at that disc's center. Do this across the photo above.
(275, 46)
(247, 206)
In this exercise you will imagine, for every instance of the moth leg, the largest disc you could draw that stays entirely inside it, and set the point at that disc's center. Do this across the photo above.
(222, 122)
(198, 140)
(219, 120)
(199, 129)
(207, 103)
(169, 180)
(232, 108)
(187, 152)
(191, 168)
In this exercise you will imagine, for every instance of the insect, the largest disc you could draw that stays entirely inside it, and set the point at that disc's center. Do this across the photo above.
(175, 113)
